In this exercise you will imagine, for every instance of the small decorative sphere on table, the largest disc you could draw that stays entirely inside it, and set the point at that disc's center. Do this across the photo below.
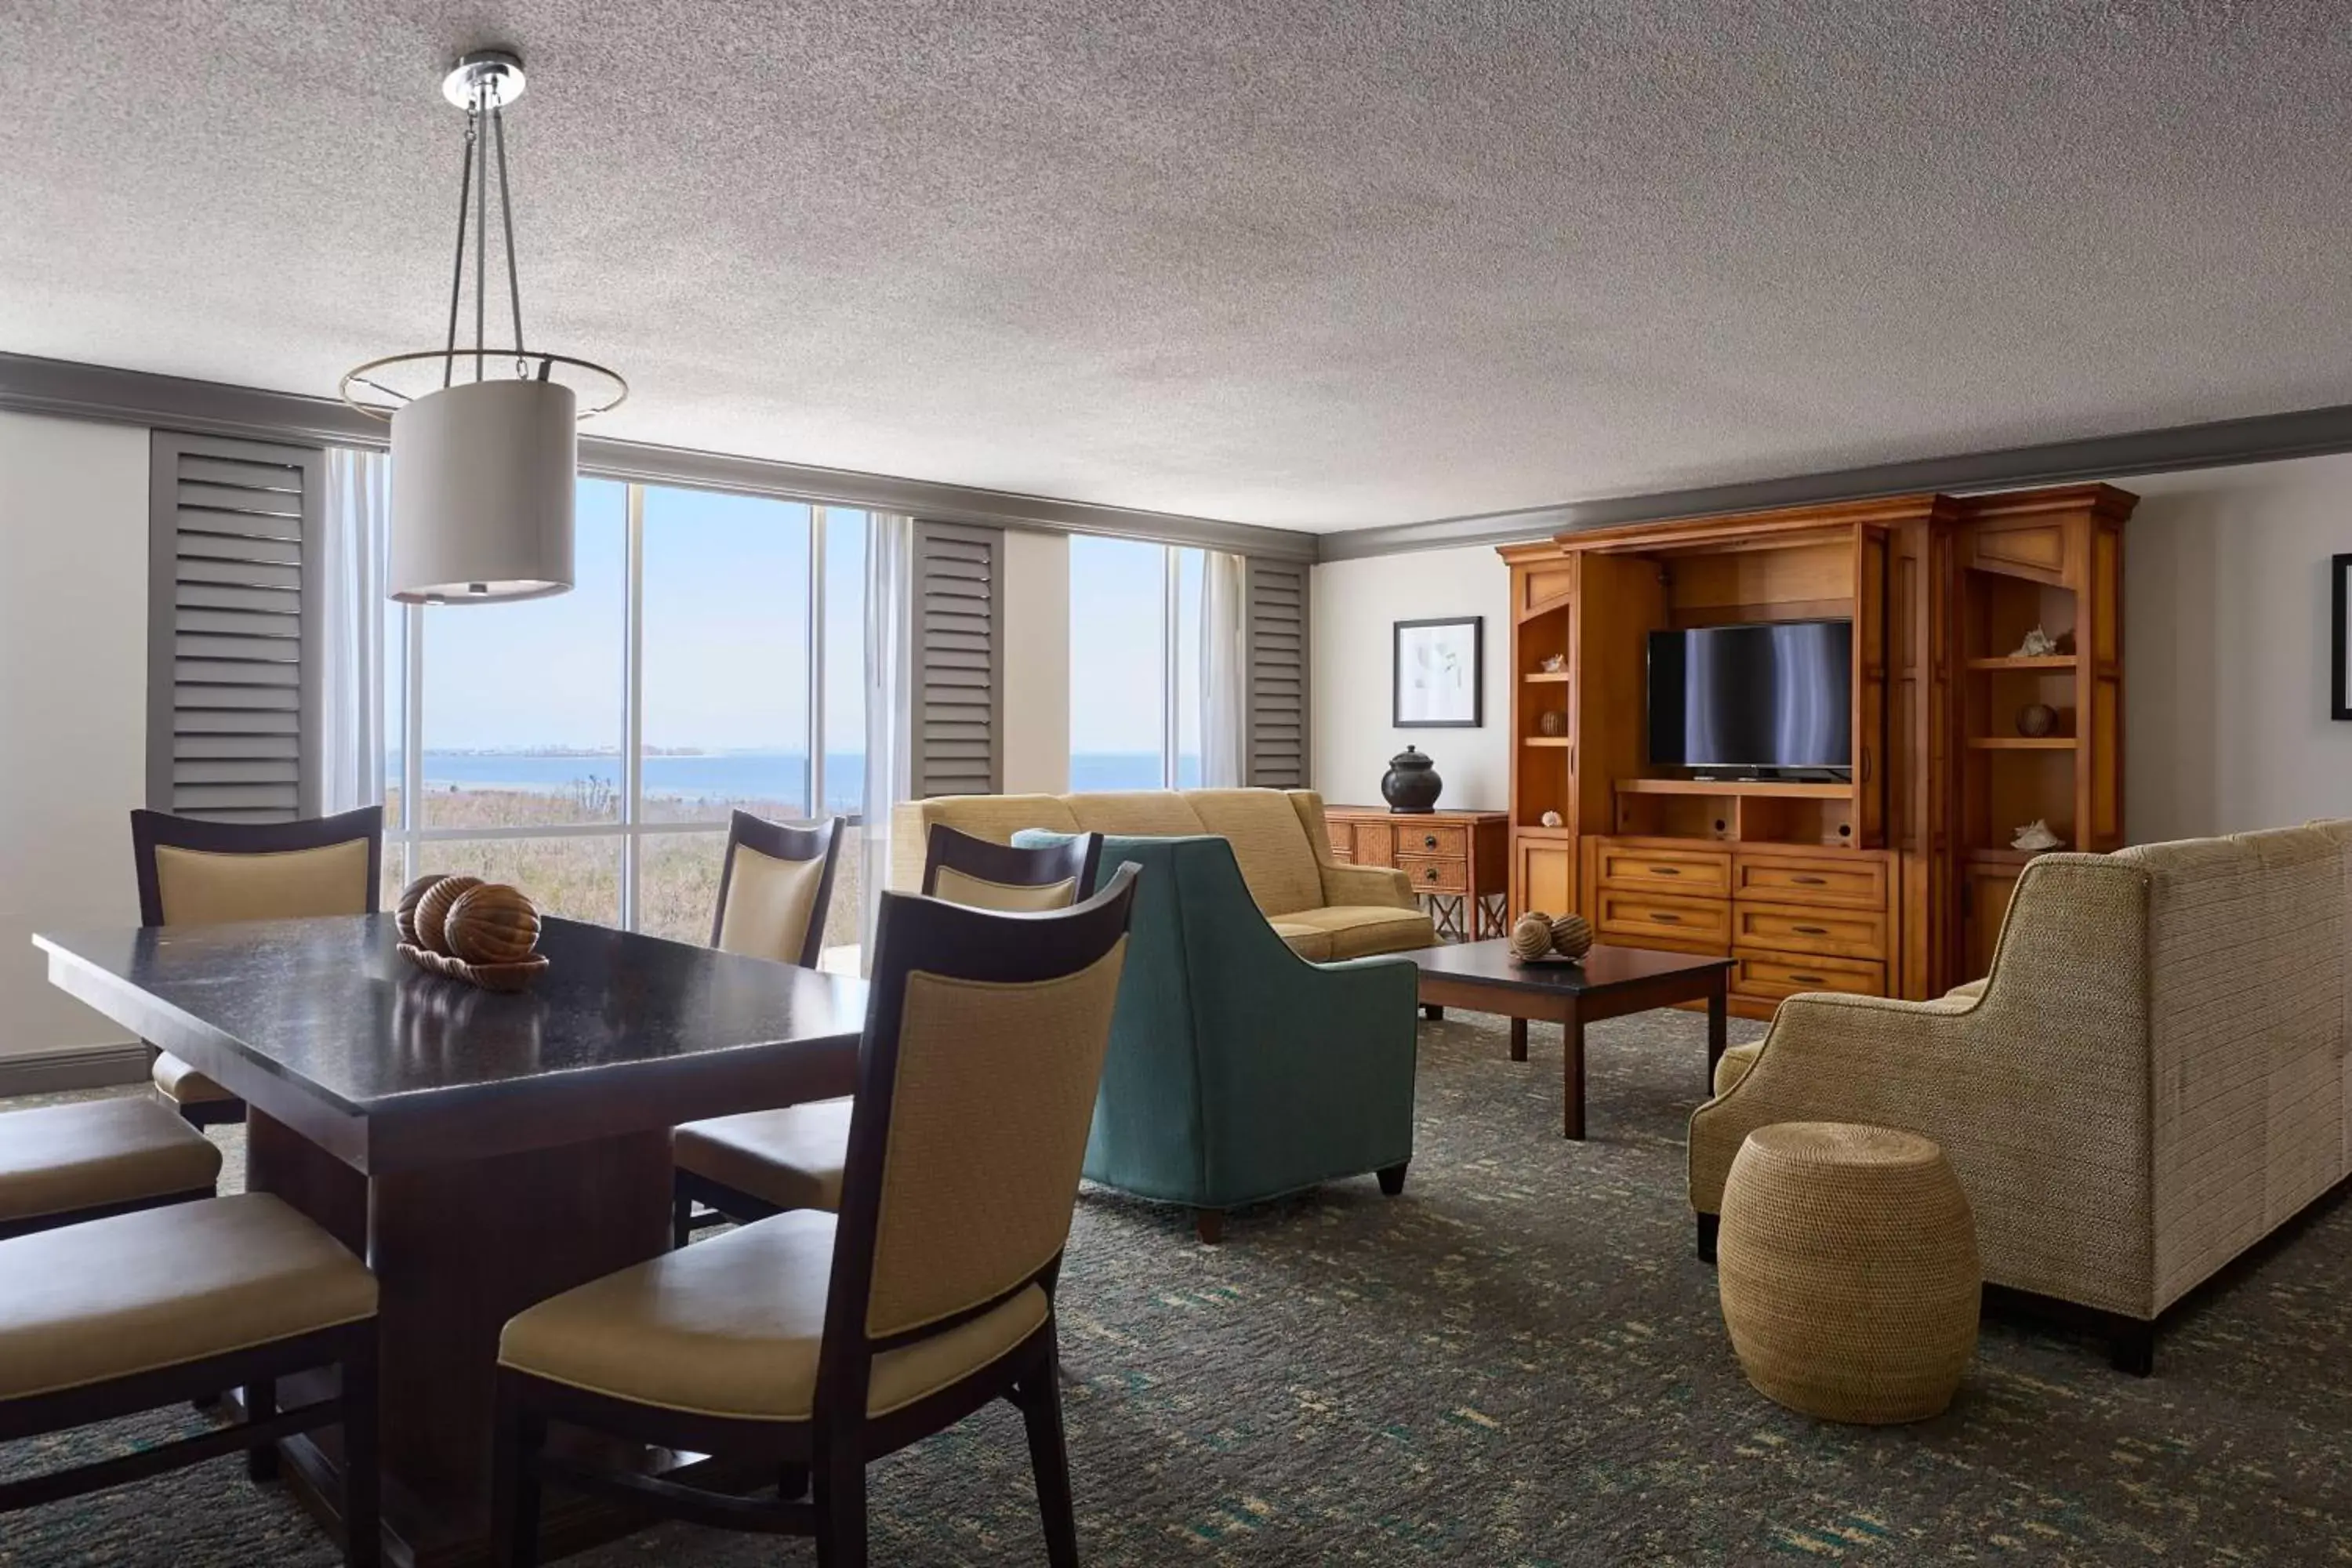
(433, 906)
(1572, 936)
(404, 913)
(1531, 936)
(493, 924)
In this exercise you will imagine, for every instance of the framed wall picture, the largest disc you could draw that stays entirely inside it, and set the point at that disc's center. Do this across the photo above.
(1440, 675)
(2340, 665)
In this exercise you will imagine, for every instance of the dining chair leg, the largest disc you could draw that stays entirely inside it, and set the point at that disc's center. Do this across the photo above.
(260, 1405)
(362, 1479)
(841, 1512)
(792, 1483)
(514, 1478)
(681, 1220)
(1039, 1395)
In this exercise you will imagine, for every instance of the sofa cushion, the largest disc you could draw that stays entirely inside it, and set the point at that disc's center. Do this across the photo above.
(1276, 859)
(1358, 930)
(1132, 814)
(1309, 943)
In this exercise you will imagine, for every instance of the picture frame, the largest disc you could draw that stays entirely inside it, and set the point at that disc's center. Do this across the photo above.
(2340, 662)
(1437, 674)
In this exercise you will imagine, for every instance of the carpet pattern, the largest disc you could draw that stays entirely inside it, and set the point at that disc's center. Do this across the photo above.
(1519, 1361)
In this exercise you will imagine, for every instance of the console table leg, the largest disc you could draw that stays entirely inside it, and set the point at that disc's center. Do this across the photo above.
(1571, 1074)
(1518, 1039)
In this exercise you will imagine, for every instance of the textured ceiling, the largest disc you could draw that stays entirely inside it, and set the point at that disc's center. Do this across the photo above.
(1314, 263)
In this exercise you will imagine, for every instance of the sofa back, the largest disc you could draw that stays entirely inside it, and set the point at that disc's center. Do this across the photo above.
(1273, 832)
(2250, 1036)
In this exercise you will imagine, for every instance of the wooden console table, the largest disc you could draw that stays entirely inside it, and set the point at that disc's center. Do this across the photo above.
(1459, 861)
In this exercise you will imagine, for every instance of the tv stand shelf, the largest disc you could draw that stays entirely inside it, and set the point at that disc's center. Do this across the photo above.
(1784, 789)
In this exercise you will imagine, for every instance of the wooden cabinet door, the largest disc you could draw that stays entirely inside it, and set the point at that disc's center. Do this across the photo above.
(1544, 877)
(1989, 890)
(1869, 688)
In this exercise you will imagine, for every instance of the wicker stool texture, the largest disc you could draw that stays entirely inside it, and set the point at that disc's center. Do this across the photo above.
(1848, 1266)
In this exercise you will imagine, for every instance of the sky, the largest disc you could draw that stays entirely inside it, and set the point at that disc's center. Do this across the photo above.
(726, 636)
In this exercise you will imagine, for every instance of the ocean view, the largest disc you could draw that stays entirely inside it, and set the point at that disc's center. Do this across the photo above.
(736, 775)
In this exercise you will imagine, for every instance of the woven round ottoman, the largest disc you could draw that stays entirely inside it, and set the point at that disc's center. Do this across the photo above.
(1848, 1266)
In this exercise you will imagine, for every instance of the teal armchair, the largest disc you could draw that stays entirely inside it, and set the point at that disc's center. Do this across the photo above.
(1237, 1070)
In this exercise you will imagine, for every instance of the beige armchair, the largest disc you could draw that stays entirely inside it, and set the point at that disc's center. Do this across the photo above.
(2150, 1079)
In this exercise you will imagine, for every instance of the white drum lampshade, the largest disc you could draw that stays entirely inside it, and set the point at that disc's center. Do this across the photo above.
(482, 492)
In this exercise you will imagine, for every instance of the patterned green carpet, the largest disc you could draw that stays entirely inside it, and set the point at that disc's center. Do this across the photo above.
(1517, 1362)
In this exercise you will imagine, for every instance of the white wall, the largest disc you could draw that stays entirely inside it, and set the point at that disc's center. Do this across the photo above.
(1036, 663)
(2225, 655)
(1353, 608)
(73, 704)
(2226, 649)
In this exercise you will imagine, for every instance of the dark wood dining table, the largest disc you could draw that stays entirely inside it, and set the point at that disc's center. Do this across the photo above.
(481, 1151)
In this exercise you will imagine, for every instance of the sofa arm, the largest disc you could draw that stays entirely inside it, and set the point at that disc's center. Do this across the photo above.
(1357, 887)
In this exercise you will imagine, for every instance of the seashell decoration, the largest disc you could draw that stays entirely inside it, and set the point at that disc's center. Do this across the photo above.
(1572, 936)
(1551, 819)
(1531, 936)
(2035, 834)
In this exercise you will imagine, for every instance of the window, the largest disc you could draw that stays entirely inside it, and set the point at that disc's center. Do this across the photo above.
(589, 747)
(1135, 665)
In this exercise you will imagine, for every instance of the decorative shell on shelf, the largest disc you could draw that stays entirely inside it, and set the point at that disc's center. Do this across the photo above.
(492, 923)
(2035, 834)
(404, 913)
(1572, 936)
(2038, 644)
(1531, 937)
(1551, 819)
(1553, 663)
(433, 908)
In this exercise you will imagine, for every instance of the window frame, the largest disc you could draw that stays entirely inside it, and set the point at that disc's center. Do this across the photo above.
(409, 836)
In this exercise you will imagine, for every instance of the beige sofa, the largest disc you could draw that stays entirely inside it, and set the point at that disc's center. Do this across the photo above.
(1323, 909)
(2150, 1080)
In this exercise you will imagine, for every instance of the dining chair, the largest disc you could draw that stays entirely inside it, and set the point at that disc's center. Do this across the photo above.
(775, 887)
(139, 1311)
(809, 1345)
(62, 1165)
(765, 1163)
(194, 872)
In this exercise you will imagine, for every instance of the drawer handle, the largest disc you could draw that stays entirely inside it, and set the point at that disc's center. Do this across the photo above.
(1430, 875)
(1811, 882)
(1666, 920)
(1811, 931)
(1429, 841)
(1666, 871)
(1809, 979)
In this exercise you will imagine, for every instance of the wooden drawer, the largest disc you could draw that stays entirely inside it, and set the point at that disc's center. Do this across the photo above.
(1343, 837)
(1413, 838)
(1852, 881)
(1435, 873)
(1779, 974)
(1694, 873)
(1633, 916)
(1824, 930)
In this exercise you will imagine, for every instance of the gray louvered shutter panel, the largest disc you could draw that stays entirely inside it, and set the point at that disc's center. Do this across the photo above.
(958, 647)
(234, 670)
(1275, 608)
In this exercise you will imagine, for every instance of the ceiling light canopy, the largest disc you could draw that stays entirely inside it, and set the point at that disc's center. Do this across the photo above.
(484, 463)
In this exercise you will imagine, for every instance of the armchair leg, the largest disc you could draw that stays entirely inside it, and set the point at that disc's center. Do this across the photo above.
(1392, 1178)
(1209, 1225)
(2131, 1348)
(1708, 1224)
(1432, 1012)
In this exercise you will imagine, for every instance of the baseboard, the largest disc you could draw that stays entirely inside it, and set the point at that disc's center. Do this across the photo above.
(59, 1072)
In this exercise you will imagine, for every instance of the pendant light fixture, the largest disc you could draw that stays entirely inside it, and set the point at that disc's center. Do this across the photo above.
(483, 465)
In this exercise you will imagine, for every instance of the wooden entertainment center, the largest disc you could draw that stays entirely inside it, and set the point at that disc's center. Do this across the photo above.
(1893, 880)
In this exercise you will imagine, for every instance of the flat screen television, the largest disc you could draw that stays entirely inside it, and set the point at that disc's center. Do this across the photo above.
(1774, 695)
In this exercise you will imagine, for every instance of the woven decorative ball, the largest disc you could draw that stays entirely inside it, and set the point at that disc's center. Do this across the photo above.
(404, 913)
(2036, 720)
(492, 923)
(1571, 935)
(433, 911)
(1531, 936)
(1848, 1266)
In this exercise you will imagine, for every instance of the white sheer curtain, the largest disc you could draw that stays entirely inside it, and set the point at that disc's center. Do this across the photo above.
(889, 704)
(353, 566)
(1224, 694)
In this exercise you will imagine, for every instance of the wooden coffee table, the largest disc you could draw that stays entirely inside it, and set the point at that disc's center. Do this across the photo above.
(1609, 983)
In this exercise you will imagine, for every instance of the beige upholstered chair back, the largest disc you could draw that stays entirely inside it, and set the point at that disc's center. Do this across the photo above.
(2248, 1001)
(204, 886)
(768, 904)
(978, 893)
(990, 1108)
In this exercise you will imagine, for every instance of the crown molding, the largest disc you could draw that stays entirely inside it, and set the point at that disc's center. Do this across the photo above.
(2265, 438)
(70, 390)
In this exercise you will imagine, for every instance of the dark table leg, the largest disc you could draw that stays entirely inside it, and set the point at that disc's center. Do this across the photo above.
(1518, 1039)
(1571, 1072)
(1718, 1009)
